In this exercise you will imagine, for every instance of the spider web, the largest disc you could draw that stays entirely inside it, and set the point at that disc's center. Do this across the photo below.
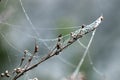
(48, 44)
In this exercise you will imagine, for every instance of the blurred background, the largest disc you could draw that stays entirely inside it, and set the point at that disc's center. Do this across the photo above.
(23, 21)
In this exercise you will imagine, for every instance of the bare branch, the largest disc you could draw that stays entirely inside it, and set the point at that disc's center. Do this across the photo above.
(74, 37)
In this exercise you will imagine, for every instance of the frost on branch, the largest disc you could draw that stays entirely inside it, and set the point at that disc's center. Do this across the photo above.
(74, 36)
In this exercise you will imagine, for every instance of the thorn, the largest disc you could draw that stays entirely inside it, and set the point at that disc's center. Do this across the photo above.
(70, 41)
(58, 45)
(25, 51)
(101, 17)
(30, 59)
(36, 48)
(59, 37)
(18, 70)
(2, 74)
(22, 59)
(7, 73)
(83, 25)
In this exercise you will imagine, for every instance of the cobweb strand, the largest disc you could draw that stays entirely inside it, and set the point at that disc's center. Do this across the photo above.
(94, 68)
(83, 57)
(27, 17)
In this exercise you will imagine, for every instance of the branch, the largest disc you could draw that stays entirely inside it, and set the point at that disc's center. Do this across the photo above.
(74, 36)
